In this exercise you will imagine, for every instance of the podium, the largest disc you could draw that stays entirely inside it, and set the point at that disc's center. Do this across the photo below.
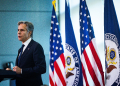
(5, 74)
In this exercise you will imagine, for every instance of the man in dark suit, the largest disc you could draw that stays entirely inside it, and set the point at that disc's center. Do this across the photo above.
(30, 63)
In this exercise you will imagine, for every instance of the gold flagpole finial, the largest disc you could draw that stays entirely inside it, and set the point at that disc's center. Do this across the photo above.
(53, 2)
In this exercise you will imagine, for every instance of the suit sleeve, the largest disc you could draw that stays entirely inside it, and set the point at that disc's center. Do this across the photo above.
(38, 61)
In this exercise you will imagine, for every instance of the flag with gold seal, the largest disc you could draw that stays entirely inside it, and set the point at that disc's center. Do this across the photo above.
(112, 43)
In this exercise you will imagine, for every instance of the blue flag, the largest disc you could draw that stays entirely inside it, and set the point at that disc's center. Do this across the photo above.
(112, 41)
(73, 63)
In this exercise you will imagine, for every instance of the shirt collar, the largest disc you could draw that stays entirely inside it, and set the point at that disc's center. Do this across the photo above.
(27, 42)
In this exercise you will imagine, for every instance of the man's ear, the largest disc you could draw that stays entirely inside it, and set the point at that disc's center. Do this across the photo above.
(30, 32)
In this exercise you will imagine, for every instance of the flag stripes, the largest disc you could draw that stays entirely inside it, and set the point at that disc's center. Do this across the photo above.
(51, 81)
(58, 67)
(90, 69)
(88, 77)
(62, 59)
(85, 77)
(91, 60)
(96, 57)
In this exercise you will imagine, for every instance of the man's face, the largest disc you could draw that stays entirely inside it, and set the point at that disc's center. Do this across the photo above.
(23, 34)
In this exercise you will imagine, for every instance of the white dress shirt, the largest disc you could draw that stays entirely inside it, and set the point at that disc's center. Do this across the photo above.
(26, 44)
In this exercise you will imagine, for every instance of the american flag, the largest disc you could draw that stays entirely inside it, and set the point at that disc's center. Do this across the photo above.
(93, 74)
(57, 59)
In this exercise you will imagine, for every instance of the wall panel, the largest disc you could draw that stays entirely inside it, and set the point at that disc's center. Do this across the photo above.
(11, 11)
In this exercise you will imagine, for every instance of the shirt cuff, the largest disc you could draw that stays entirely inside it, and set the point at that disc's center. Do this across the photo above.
(21, 71)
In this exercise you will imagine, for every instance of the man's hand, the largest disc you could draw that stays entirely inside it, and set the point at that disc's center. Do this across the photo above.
(8, 69)
(17, 69)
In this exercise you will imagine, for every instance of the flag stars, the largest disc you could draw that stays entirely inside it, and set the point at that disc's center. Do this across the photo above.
(55, 53)
(88, 16)
(86, 36)
(87, 23)
(54, 35)
(52, 22)
(58, 36)
(84, 14)
(85, 43)
(60, 48)
(81, 6)
(80, 20)
(90, 37)
(83, 21)
(90, 30)
(82, 48)
(55, 29)
(52, 58)
(51, 28)
(81, 13)
(56, 48)
(87, 29)
(82, 42)
(57, 42)
(57, 23)
(53, 16)
(53, 46)
(83, 28)
(82, 35)
(51, 64)
(53, 40)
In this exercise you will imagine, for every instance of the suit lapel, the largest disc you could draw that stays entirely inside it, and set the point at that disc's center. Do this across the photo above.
(26, 51)
(17, 57)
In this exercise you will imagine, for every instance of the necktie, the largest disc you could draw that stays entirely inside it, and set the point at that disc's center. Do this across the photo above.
(20, 53)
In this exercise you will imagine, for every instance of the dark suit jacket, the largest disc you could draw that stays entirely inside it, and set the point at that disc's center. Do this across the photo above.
(33, 65)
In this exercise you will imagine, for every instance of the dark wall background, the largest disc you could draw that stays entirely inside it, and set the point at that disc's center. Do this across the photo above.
(11, 11)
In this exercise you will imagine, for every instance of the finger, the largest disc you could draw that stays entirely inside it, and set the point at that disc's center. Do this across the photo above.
(14, 69)
(15, 66)
(8, 69)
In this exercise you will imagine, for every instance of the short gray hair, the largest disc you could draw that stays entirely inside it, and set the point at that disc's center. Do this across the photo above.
(29, 25)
